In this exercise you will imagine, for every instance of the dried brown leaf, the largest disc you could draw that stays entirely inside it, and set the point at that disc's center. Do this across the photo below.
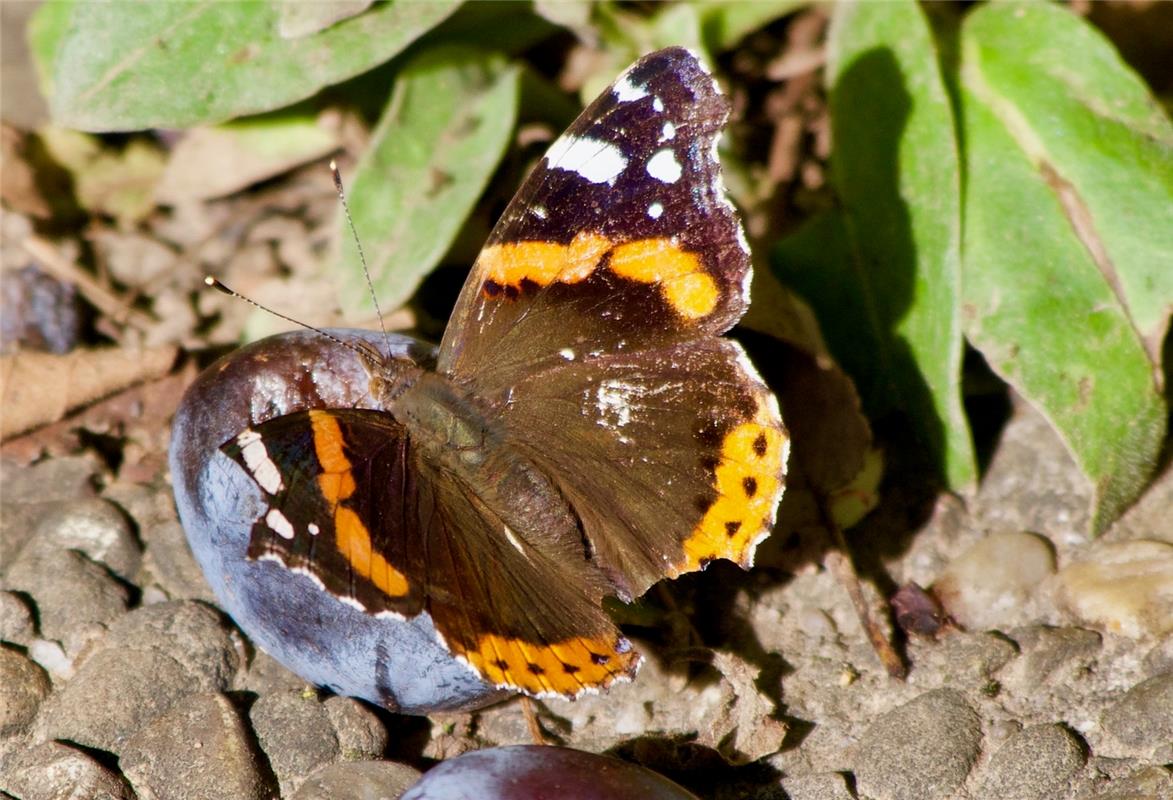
(38, 388)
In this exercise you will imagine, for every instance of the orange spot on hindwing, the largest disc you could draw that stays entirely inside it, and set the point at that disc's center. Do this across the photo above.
(564, 668)
(351, 536)
(679, 274)
(747, 481)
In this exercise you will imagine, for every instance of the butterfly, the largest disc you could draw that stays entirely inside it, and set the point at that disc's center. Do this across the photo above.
(584, 429)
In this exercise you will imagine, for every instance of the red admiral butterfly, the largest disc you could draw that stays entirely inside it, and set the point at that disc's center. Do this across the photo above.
(583, 432)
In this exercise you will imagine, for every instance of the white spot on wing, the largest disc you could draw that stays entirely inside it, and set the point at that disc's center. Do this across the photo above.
(658, 104)
(513, 540)
(256, 459)
(617, 401)
(538, 211)
(350, 601)
(279, 524)
(664, 167)
(314, 529)
(667, 132)
(626, 91)
(593, 159)
(655, 210)
(566, 353)
(613, 400)
(304, 571)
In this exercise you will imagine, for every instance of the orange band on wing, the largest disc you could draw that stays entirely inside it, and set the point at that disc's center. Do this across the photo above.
(563, 668)
(354, 542)
(543, 263)
(351, 536)
(685, 284)
(336, 481)
(748, 483)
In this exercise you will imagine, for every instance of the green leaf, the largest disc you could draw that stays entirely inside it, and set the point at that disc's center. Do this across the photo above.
(439, 141)
(724, 23)
(627, 36)
(507, 26)
(122, 66)
(46, 30)
(882, 272)
(1068, 279)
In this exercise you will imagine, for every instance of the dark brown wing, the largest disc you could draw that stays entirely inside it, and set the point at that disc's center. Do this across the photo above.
(360, 545)
(671, 458)
(520, 617)
(621, 239)
(351, 505)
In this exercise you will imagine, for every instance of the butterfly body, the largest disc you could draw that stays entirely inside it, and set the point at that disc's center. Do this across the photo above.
(583, 431)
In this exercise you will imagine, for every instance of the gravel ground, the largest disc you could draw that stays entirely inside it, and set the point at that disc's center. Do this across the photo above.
(119, 678)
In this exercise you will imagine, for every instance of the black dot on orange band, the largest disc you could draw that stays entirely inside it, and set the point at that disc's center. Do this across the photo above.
(512, 292)
(750, 484)
(733, 527)
(569, 669)
(599, 659)
(501, 664)
(759, 445)
(529, 286)
(703, 503)
(492, 288)
(535, 669)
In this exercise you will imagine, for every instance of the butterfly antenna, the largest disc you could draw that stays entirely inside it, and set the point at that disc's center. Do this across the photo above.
(220, 286)
(362, 258)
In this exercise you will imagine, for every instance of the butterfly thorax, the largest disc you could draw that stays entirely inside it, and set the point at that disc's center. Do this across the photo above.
(450, 431)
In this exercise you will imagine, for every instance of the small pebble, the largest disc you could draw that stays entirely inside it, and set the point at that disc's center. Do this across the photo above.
(358, 780)
(172, 566)
(816, 786)
(162, 762)
(16, 620)
(1051, 655)
(32, 492)
(922, 749)
(71, 593)
(296, 735)
(23, 685)
(361, 734)
(266, 675)
(97, 528)
(968, 659)
(1160, 658)
(1143, 718)
(1124, 587)
(1146, 783)
(991, 584)
(150, 659)
(55, 771)
(1035, 764)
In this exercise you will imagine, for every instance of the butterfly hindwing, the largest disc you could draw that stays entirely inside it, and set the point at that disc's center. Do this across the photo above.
(341, 504)
(678, 455)
(413, 540)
